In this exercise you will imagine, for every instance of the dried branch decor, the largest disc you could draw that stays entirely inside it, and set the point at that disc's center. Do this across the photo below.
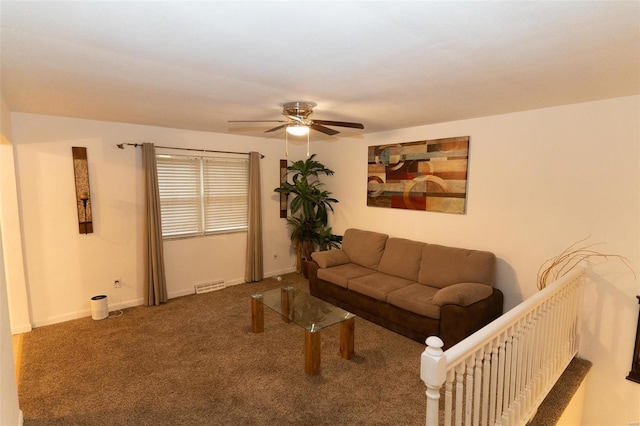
(556, 267)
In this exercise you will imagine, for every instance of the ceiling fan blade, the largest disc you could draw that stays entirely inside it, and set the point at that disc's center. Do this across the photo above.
(256, 121)
(339, 124)
(325, 130)
(276, 128)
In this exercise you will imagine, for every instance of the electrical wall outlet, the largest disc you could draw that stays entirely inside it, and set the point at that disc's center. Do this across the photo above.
(116, 283)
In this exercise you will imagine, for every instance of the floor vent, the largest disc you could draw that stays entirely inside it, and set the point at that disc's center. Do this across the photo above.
(207, 287)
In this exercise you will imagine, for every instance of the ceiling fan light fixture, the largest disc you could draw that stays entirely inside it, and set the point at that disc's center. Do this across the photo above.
(299, 122)
(297, 129)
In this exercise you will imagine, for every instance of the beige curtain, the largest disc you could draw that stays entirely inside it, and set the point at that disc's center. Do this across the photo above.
(254, 268)
(155, 286)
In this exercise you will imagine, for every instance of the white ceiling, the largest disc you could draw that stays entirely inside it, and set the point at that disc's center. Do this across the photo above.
(388, 65)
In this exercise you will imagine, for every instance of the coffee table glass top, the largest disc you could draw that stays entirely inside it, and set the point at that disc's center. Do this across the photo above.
(302, 309)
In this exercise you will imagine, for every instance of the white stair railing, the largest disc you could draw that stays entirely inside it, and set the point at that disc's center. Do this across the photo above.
(501, 374)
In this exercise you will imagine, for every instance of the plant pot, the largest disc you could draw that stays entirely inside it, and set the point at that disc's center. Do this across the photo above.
(303, 252)
(305, 267)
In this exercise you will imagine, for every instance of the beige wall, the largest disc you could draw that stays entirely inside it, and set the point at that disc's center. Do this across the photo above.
(538, 182)
(10, 413)
(12, 231)
(66, 268)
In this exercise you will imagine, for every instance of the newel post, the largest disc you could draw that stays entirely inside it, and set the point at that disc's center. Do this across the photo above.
(433, 371)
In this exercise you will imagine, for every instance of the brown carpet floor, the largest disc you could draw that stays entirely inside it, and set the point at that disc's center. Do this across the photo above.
(195, 361)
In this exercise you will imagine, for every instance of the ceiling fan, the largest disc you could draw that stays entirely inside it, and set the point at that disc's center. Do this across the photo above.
(299, 120)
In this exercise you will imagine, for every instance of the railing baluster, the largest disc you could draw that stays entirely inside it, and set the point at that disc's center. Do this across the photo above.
(502, 365)
(477, 387)
(557, 320)
(572, 315)
(448, 397)
(486, 382)
(520, 359)
(531, 350)
(537, 345)
(495, 382)
(459, 393)
(546, 344)
(515, 348)
(507, 372)
(469, 391)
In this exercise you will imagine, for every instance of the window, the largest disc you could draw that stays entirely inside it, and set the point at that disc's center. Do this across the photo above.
(202, 195)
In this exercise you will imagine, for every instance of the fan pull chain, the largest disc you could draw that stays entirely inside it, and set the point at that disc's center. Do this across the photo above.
(308, 144)
(286, 143)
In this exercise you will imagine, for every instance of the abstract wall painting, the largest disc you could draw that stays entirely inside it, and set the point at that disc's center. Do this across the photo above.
(428, 175)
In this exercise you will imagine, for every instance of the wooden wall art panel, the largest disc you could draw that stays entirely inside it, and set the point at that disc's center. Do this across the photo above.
(83, 192)
(283, 197)
(428, 175)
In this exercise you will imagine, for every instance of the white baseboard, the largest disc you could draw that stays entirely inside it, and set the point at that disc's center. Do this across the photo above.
(123, 305)
(280, 272)
(179, 293)
(20, 329)
(267, 275)
(85, 313)
(131, 303)
(236, 281)
(61, 318)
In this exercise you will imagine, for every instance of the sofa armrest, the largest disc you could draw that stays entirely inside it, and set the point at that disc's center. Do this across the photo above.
(311, 269)
(329, 258)
(462, 294)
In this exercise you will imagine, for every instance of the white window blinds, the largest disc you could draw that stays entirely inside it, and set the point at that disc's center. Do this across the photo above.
(202, 195)
(226, 183)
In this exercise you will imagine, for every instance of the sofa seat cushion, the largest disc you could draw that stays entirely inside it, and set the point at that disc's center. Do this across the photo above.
(364, 248)
(442, 266)
(329, 258)
(401, 258)
(340, 275)
(378, 285)
(463, 294)
(416, 298)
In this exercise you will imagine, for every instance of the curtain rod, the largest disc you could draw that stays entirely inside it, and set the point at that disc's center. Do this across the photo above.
(135, 145)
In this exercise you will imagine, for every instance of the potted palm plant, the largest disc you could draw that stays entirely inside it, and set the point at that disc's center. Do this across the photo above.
(309, 206)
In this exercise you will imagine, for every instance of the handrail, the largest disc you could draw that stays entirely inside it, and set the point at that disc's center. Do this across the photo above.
(501, 373)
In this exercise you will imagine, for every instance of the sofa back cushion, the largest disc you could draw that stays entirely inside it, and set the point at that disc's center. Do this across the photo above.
(364, 248)
(401, 258)
(442, 266)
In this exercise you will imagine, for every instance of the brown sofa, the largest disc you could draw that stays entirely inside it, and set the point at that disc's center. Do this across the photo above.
(413, 288)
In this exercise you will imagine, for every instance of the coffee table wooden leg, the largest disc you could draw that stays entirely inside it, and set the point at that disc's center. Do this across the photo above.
(257, 315)
(312, 353)
(346, 338)
(285, 303)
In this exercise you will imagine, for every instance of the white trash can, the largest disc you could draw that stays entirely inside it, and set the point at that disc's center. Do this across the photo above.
(99, 307)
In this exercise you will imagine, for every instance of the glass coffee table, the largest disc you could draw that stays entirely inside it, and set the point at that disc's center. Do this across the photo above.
(310, 313)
